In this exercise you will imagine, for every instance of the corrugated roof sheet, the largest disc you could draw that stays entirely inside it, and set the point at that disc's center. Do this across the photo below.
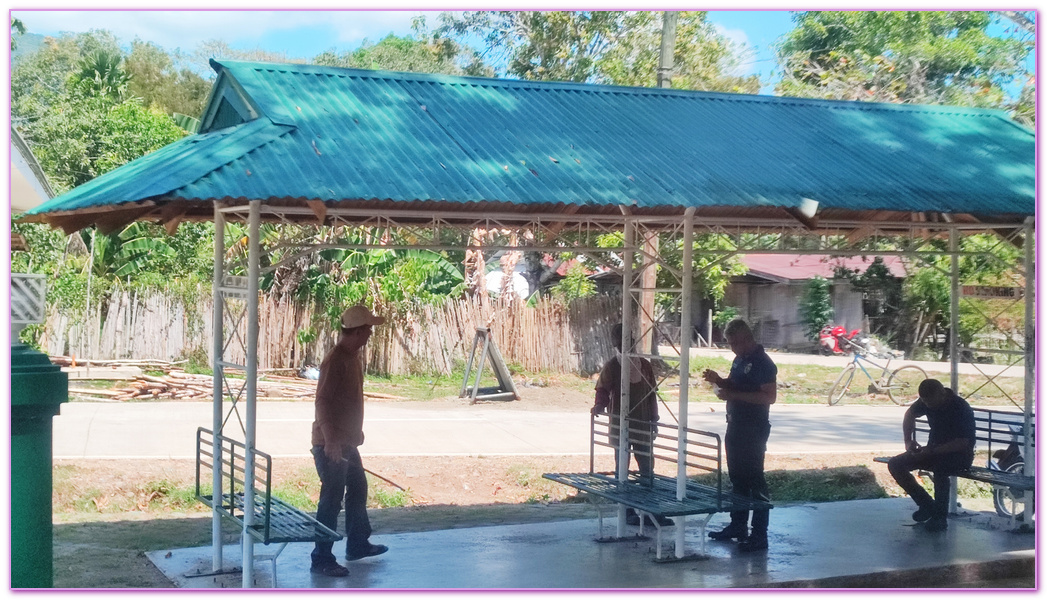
(338, 135)
(801, 267)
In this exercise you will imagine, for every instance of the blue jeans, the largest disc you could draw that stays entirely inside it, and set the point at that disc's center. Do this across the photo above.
(338, 480)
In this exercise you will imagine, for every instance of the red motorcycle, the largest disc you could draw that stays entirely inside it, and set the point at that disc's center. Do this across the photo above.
(835, 339)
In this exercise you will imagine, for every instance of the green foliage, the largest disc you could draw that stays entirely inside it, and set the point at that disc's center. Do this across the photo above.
(395, 53)
(703, 58)
(164, 84)
(618, 47)
(816, 307)
(986, 260)
(575, 284)
(881, 297)
(724, 316)
(83, 135)
(919, 57)
(101, 73)
(17, 28)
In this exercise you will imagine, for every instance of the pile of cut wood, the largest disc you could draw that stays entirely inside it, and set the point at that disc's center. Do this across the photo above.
(189, 387)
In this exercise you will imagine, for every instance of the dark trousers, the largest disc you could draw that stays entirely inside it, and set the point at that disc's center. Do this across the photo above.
(746, 445)
(942, 466)
(338, 480)
(639, 443)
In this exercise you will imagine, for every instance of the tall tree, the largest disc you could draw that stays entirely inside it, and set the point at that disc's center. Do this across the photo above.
(158, 79)
(551, 46)
(920, 57)
(615, 47)
(406, 53)
(703, 59)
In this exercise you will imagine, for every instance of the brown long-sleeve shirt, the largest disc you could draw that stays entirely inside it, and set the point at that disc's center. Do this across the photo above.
(340, 399)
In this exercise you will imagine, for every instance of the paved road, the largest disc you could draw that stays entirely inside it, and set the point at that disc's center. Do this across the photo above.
(167, 429)
(782, 358)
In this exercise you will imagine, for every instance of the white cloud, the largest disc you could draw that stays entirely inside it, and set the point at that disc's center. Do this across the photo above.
(735, 35)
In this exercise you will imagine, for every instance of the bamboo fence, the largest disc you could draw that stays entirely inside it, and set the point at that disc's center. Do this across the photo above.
(416, 339)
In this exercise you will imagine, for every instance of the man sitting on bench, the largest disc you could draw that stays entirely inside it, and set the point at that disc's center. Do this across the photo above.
(950, 448)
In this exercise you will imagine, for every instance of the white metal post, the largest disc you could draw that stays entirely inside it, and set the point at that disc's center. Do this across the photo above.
(954, 329)
(218, 394)
(626, 351)
(250, 387)
(1028, 453)
(687, 265)
(954, 310)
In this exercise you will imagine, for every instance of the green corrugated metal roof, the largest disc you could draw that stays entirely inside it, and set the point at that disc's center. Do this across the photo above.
(347, 135)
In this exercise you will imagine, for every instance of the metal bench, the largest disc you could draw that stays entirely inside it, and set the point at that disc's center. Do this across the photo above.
(274, 521)
(656, 496)
(1002, 429)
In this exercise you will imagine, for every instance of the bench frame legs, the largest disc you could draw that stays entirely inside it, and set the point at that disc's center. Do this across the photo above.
(679, 522)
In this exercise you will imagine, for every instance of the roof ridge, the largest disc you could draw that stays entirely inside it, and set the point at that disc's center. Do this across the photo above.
(597, 88)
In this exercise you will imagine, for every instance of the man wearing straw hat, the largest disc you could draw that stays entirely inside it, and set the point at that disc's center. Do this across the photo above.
(337, 432)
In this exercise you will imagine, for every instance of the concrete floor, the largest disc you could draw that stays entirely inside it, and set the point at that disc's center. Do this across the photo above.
(860, 543)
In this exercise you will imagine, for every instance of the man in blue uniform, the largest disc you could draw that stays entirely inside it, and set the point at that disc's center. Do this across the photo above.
(749, 391)
(950, 448)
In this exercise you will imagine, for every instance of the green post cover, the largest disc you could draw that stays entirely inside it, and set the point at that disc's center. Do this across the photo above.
(37, 389)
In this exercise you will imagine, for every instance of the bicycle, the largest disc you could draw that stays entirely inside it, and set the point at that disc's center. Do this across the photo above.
(900, 384)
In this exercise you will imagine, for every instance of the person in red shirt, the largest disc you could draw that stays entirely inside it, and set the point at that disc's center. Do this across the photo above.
(337, 433)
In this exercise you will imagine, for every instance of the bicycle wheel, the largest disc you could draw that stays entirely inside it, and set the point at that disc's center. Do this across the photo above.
(904, 384)
(1006, 501)
(843, 383)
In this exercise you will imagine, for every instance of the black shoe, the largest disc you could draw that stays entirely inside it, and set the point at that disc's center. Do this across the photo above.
(753, 543)
(329, 569)
(631, 517)
(922, 514)
(732, 531)
(368, 550)
(936, 523)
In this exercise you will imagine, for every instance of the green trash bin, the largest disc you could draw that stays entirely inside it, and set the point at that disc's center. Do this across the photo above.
(37, 389)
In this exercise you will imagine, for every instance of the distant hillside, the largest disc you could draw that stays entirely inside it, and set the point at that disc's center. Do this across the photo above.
(26, 44)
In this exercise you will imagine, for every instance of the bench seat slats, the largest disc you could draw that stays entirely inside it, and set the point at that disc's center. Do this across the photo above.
(993, 427)
(286, 523)
(659, 498)
(985, 475)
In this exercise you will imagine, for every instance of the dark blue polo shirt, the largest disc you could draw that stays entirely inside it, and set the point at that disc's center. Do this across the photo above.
(953, 420)
(748, 373)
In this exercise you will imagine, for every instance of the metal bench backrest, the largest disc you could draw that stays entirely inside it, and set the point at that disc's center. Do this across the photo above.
(233, 467)
(704, 449)
(999, 427)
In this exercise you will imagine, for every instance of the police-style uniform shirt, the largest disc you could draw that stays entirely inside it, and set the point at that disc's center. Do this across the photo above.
(749, 372)
(955, 419)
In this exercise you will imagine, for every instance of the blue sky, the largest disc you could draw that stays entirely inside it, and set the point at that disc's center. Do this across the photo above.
(306, 33)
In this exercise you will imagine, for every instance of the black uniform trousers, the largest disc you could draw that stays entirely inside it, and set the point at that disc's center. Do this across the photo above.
(746, 445)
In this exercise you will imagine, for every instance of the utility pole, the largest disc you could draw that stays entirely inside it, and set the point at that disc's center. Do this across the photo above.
(648, 277)
(665, 58)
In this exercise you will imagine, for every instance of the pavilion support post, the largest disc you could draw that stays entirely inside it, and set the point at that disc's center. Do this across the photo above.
(217, 345)
(626, 352)
(954, 329)
(1030, 355)
(685, 369)
(250, 388)
(954, 310)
